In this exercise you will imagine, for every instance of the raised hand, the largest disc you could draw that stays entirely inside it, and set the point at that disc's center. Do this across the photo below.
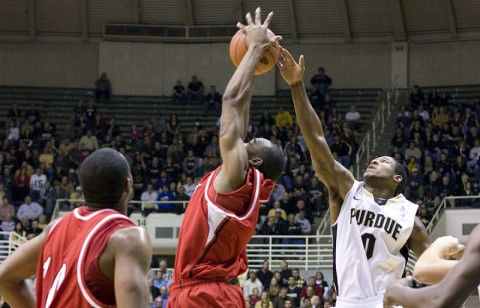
(292, 72)
(257, 33)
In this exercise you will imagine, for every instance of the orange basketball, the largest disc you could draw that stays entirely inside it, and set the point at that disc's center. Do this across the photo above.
(238, 49)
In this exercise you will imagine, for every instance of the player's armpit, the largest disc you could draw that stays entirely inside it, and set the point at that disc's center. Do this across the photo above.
(21, 265)
(132, 250)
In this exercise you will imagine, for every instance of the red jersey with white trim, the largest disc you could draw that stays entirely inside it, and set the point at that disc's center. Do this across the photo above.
(67, 270)
(212, 241)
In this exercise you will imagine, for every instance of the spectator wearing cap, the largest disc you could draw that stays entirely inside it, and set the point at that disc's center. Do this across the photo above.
(277, 208)
(77, 195)
(252, 283)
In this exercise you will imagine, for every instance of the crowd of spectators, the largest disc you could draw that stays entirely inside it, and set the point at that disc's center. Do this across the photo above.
(286, 288)
(439, 144)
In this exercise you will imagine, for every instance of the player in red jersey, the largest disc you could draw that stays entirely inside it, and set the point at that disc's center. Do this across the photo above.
(94, 256)
(223, 211)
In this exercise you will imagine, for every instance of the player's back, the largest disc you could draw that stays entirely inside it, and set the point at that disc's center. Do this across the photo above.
(66, 256)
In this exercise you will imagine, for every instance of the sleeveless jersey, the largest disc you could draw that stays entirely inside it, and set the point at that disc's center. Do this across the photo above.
(369, 243)
(212, 241)
(67, 255)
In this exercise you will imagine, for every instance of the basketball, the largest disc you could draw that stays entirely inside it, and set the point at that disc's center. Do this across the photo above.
(239, 46)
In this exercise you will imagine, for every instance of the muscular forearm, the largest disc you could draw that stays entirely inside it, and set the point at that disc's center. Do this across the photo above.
(238, 92)
(306, 117)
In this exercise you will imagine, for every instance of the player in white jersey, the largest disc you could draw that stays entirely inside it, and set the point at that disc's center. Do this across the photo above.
(372, 221)
(456, 279)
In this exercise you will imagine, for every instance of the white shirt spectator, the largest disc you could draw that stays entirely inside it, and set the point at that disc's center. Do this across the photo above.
(37, 182)
(149, 196)
(249, 285)
(352, 116)
(305, 224)
(189, 189)
(32, 210)
(425, 115)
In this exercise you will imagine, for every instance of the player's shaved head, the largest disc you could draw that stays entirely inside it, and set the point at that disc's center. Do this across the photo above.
(104, 176)
(272, 157)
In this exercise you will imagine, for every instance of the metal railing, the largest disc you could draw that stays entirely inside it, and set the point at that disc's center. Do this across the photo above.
(304, 252)
(324, 224)
(441, 207)
(9, 242)
(369, 142)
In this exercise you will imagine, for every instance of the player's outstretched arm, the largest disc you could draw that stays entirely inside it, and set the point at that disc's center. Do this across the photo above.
(18, 267)
(336, 177)
(451, 291)
(236, 105)
(132, 252)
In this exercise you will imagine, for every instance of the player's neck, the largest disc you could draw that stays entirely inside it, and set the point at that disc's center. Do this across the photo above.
(380, 193)
(97, 207)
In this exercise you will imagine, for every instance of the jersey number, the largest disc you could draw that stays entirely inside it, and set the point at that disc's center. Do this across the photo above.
(57, 282)
(368, 242)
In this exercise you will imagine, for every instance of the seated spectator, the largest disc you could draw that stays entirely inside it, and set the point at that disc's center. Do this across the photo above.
(88, 142)
(321, 82)
(283, 118)
(264, 301)
(165, 195)
(254, 298)
(7, 224)
(213, 102)
(195, 90)
(164, 296)
(34, 230)
(415, 187)
(158, 303)
(191, 164)
(30, 209)
(33, 116)
(293, 291)
(181, 196)
(149, 197)
(353, 118)
(416, 98)
(178, 92)
(22, 184)
(14, 114)
(282, 299)
(102, 87)
(321, 282)
(20, 230)
(303, 222)
(56, 193)
(343, 150)
(277, 208)
(273, 288)
(189, 186)
(252, 283)
(77, 195)
(316, 289)
(6, 208)
(299, 281)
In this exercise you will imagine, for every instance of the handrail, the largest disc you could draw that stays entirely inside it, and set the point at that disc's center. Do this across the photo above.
(443, 204)
(324, 224)
(142, 203)
(11, 244)
(369, 142)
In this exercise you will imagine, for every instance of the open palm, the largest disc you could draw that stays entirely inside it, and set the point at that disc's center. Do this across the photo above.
(292, 72)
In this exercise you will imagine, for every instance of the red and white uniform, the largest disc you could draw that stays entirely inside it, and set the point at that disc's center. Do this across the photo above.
(68, 273)
(212, 242)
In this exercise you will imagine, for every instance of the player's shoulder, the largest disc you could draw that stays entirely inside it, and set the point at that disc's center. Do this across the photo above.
(130, 239)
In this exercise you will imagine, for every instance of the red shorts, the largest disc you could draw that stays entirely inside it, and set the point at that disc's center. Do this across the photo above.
(203, 293)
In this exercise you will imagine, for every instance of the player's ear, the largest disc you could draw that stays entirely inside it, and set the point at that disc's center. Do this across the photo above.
(128, 190)
(397, 178)
(255, 161)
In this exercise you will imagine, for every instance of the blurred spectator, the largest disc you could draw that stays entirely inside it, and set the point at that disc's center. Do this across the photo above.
(265, 274)
(34, 230)
(293, 291)
(415, 187)
(15, 115)
(181, 196)
(195, 90)
(303, 222)
(277, 208)
(317, 290)
(37, 185)
(30, 209)
(213, 101)
(7, 224)
(321, 82)
(283, 118)
(264, 301)
(102, 87)
(165, 195)
(416, 97)
(343, 150)
(252, 283)
(281, 299)
(266, 119)
(149, 197)
(88, 142)
(353, 118)
(6, 209)
(191, 164)
(254, 298)
(57, 193)
(178, 92)
(33, 116)
(273, 288)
